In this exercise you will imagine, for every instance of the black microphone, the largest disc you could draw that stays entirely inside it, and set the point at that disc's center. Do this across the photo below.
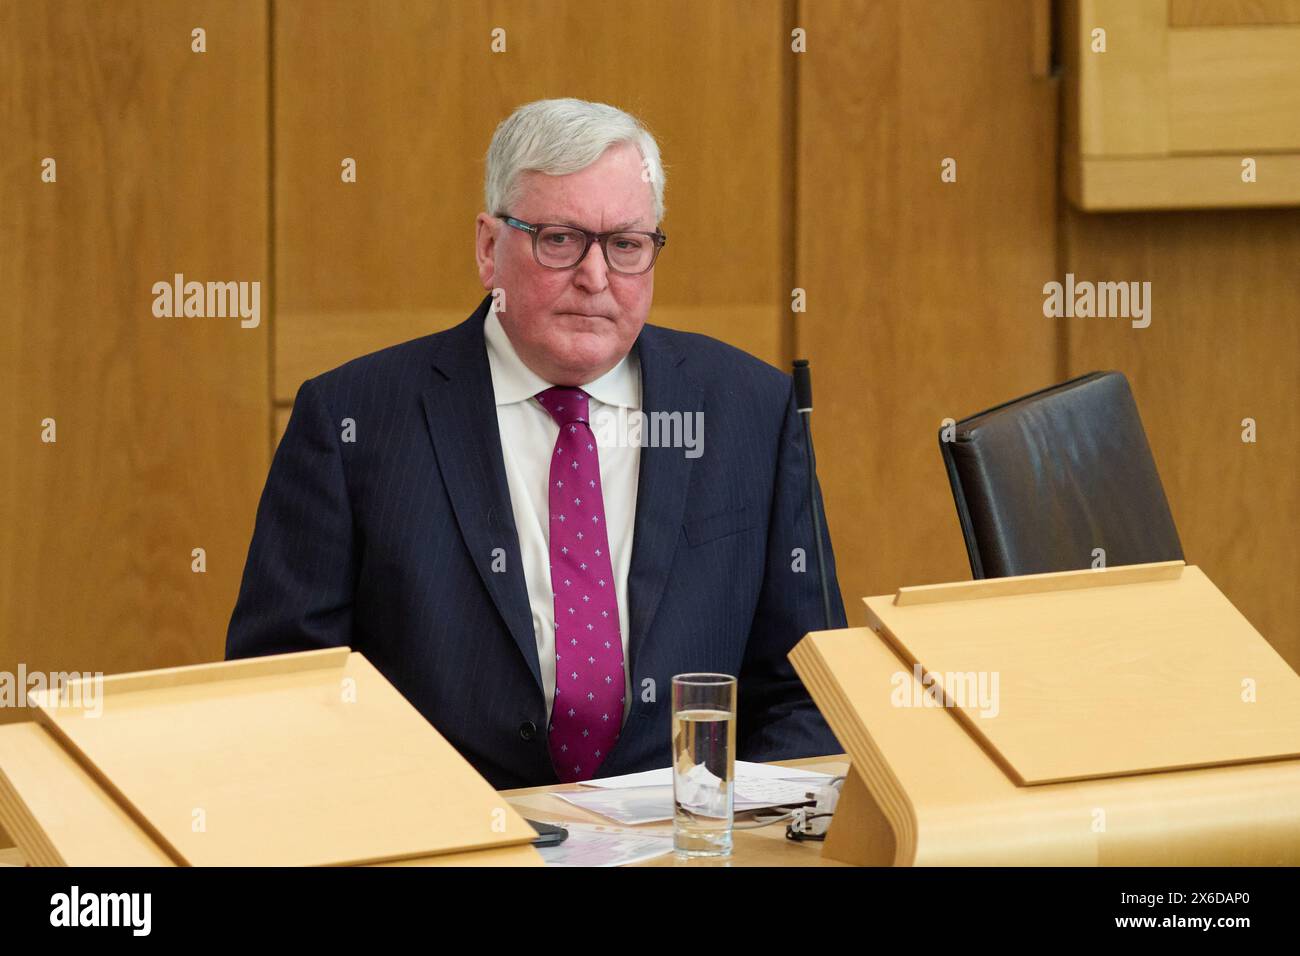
(803, 403)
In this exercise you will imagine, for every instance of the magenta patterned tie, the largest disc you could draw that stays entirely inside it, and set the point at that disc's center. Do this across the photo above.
(588, 710)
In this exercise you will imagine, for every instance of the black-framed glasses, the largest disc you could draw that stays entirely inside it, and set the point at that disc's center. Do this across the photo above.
(557, 246)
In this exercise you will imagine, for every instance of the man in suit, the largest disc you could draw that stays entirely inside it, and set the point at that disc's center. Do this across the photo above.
(531, 522)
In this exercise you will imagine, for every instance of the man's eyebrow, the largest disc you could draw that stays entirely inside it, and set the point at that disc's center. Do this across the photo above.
(625, 224)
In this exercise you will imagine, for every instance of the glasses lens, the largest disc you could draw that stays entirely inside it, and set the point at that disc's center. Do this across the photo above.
(558, 247)
(630, 252)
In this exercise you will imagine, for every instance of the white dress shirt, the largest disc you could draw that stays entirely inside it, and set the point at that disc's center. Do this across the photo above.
(528, 434)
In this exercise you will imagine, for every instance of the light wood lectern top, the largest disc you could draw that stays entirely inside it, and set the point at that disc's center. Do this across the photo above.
(292, 760)
(1124, 716)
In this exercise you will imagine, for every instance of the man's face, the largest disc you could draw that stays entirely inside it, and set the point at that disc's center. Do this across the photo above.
(571, 326)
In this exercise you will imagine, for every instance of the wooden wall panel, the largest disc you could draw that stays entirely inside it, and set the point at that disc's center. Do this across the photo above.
(924, 297)
(1123, 92)
(1234, 90)
(1181, 182)
(1223, 345)
(161, 167)
(413, 91)
(161, 422)
(1218, 13)
(281, 423)
(1165, 116)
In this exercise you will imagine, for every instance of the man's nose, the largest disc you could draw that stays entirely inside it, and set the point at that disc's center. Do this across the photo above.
(592, 271)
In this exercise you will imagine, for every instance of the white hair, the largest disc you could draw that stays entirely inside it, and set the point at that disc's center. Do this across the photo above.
(563, 136)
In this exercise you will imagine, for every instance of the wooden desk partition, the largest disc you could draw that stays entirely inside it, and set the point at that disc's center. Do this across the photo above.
(297, 759)
(1139, 720)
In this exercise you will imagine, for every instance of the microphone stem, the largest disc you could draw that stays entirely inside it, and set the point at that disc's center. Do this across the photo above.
(816, 516)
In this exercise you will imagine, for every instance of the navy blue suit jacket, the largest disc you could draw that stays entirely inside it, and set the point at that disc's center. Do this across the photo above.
(386, 544)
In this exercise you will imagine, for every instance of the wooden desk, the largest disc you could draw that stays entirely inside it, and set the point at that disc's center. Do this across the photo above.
(763, 846)
(91, 815)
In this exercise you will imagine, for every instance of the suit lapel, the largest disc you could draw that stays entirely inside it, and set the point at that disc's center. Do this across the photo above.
(665, 475)
(460, 408)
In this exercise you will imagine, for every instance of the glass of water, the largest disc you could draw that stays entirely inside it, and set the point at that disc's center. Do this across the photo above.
(704, 763)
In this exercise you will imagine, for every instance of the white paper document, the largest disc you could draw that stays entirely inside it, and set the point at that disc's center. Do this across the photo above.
(744, 768)
(629, 806)
(591, 844)
(647, 797)
(778, 792)
(759, 783)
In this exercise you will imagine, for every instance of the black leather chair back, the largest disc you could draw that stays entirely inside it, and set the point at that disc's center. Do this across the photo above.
(1042, 481)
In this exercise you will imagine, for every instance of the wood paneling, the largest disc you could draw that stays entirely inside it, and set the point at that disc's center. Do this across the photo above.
(924, 297)
(1180, 182)
(1233, 89)
(1124, 91)
(161, 422)
(282, 413)
(1223, 345)
(1214, 13)
(413, 92)
(1171, 112)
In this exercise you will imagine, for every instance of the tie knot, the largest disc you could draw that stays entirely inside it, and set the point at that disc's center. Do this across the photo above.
(565, 403)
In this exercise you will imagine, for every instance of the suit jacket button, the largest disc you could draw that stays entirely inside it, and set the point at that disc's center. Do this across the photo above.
(528, 730)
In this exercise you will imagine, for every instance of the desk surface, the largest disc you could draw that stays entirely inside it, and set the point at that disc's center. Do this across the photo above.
(762, 846)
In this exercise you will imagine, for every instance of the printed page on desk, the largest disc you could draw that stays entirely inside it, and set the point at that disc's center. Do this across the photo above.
(591, 844)
(757, 784)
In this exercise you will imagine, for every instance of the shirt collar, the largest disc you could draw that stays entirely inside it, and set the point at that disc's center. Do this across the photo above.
(513, 381)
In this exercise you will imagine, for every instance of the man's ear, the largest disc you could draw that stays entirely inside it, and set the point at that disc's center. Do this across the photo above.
(485, 247)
